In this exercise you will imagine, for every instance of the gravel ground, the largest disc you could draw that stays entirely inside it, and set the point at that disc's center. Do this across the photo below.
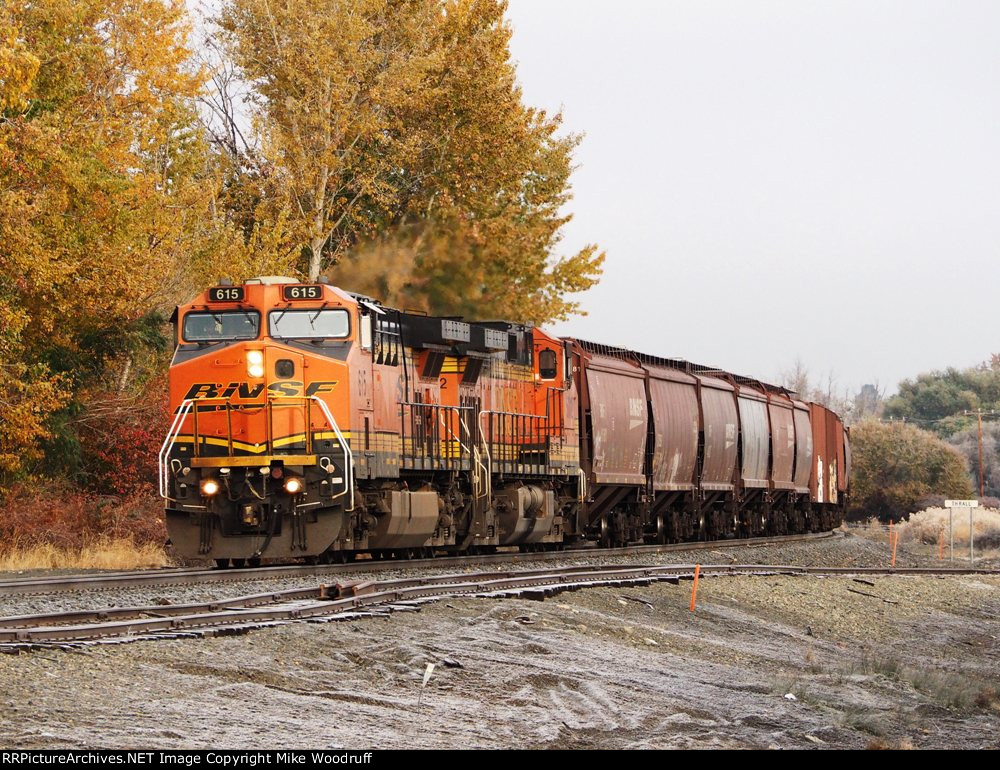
(788, 662)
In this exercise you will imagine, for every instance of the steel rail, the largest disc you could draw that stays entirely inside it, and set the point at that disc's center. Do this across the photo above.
(181, 576)
(348, 600)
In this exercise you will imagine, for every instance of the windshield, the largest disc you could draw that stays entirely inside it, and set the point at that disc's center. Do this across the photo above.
(311, 324)
(223, 325)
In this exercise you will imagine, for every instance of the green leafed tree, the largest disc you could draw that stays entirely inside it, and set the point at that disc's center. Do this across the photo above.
(939, 400)
(394, 133)
(896, 466)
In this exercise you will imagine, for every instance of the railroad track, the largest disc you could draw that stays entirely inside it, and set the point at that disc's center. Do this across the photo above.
(180, 576)
(349, 600)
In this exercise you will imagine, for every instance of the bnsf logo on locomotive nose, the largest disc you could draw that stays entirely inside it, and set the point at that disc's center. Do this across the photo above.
(246, 390)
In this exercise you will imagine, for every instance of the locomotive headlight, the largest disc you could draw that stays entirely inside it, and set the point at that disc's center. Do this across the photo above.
(209, 487)
(293, 485)
(255, 363)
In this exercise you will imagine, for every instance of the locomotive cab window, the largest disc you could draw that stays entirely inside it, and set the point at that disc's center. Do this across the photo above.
(309, 324)
(547, 365)
(221, 326)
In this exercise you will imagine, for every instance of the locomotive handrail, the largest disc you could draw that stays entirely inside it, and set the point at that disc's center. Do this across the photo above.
(489, 456)
(168, 444)
(348, 454)
(486, 481)
(537, 425)
(479, 463)
(185, 409)
(425, 429)
(473, 452)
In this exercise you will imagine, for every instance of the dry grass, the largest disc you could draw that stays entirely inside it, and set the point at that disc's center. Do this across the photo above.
(48, 525)
(116, 553)
(926, 526)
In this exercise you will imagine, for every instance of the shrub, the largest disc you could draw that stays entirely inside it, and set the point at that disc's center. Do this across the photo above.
(119, 445)
(896, 466)
(71, 519)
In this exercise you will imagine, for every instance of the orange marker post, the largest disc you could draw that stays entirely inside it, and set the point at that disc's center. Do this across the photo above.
(694, 585)
(895, 541)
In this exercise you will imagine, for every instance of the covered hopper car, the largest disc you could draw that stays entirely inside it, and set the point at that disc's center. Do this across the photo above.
(310, 422)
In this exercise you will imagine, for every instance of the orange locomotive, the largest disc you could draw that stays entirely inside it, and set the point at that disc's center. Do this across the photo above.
(312, 422)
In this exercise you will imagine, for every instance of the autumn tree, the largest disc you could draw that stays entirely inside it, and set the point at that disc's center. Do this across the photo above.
(397, 127)
(26, 392)
(896, 466)
(103, 202)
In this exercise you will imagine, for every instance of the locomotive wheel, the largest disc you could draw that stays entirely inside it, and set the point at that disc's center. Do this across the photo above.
(222, 563)
(253, 563)
(239, 563)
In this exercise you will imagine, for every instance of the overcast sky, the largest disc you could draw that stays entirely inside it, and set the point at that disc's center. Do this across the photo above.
(781, 179)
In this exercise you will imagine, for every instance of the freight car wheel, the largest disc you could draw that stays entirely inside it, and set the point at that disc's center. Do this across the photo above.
(661, 529)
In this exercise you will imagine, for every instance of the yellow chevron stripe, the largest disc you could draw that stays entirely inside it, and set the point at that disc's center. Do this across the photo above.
(257, 448)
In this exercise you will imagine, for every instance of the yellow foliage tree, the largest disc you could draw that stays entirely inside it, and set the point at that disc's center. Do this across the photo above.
(398, 126)
(103, 198)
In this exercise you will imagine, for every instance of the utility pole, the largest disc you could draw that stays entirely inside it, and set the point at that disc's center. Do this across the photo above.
(979, 414)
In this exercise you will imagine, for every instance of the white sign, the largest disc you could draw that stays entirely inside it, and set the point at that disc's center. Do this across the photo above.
(961, 503)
